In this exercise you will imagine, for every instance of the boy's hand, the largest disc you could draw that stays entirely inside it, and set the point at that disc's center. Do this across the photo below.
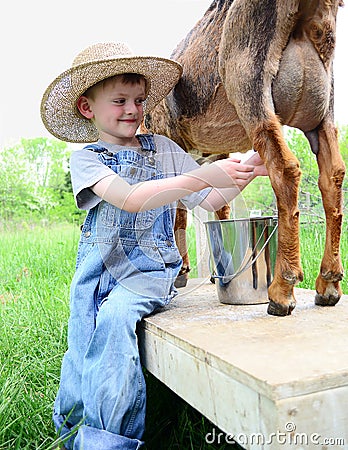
(230, 172)
(259, 167)
(227, 173)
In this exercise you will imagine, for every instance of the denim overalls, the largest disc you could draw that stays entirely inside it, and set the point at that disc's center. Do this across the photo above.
(126, 267)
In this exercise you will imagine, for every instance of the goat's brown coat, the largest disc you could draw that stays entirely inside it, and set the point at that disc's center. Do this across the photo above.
(251, 66)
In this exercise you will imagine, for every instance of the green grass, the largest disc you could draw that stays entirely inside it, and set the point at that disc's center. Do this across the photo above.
(35, 272)
(36, 267)
(312, 241)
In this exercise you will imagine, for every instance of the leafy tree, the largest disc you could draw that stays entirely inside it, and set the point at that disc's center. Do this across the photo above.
(35, 181)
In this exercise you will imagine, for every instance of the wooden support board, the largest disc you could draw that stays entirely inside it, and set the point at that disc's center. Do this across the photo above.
(268, 382)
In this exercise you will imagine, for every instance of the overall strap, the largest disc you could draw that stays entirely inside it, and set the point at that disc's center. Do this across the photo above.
(147, 142)
(98, 149)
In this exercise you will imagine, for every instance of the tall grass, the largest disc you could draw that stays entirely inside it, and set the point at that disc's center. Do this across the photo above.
(36, 267)
(312, 241)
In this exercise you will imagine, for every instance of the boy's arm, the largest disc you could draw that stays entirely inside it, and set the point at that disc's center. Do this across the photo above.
(155, 193)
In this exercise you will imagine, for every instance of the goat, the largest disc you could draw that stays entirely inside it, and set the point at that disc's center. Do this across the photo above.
(249, 67)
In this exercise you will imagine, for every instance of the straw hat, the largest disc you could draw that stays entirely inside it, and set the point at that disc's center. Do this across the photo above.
(96, 63)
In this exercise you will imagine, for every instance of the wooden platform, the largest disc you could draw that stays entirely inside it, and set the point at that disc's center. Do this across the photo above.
(268, 382)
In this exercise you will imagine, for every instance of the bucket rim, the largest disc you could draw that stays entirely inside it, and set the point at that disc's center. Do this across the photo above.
(245, 219)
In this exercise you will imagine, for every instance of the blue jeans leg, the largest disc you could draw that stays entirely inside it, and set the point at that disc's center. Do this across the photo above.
(92, 439)
(113, 386)
(68, 407)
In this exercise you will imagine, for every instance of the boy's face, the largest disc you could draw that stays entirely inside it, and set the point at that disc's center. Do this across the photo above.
(116, 109)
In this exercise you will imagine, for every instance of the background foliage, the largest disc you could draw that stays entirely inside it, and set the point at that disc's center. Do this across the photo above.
(35, 182)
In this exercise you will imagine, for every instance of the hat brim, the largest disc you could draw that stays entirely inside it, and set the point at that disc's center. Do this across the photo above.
(58, 106)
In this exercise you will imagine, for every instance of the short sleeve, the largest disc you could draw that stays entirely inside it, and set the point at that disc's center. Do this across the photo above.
(86, 170)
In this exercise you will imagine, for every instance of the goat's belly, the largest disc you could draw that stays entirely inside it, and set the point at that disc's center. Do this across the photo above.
(301, 90)
(218, 130)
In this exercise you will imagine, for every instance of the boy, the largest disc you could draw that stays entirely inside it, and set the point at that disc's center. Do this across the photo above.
(127, 258)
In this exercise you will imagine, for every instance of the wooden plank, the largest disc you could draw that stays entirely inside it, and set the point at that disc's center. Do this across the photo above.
(249, 372)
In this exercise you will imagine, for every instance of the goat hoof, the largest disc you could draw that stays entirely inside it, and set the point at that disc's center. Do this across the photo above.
(181, 279)
(277, 309)
(327, 300)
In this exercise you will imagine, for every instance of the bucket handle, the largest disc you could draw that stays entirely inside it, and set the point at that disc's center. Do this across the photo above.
(229, 278)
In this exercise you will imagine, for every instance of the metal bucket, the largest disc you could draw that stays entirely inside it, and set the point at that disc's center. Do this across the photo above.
(242, 256)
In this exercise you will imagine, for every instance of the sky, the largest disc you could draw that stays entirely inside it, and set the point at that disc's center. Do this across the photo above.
(39, 40)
